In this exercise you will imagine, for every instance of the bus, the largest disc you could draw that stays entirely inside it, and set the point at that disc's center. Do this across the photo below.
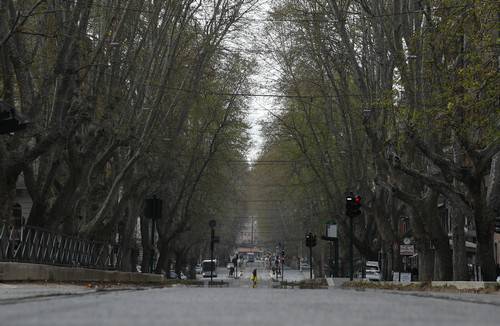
(207, 266)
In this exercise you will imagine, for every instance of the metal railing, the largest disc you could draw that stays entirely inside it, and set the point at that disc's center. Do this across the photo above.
(31, 244)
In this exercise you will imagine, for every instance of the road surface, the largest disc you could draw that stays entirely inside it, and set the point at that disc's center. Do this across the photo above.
(243, 306)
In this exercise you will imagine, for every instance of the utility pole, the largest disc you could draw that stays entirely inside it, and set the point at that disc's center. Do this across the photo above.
(310, 242)
(310, 263)
(282, 262)
(351, 249)
(212, 235)
(331, 236)
(212, 224)
(353, 209)
(152, 260)
(251, 217)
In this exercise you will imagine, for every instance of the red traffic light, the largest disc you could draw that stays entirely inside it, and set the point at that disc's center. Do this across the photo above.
(357, 199)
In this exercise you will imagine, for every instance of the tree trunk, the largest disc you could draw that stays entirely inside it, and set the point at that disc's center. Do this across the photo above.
(7, 197)
(163, 264)
(457, 219)
(493, 192)
(485, 249)
(146, 245)
(425, 261)
(459, 250)
(443, 267)
(485, 230)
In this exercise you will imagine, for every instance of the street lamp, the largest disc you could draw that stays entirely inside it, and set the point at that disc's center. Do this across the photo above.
(331, 235)
(310, 242)
(353, 209)
(212, 224)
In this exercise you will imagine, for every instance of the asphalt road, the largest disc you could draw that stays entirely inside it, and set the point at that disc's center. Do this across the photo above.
(242, 306)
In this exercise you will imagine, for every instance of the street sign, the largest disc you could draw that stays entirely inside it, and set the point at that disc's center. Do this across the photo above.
(331, 230)
(406, 250)
(405, 277)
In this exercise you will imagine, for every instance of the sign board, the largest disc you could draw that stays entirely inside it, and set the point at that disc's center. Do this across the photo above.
(401, 277)
(405, 277)
(331, 230)
(406, 250)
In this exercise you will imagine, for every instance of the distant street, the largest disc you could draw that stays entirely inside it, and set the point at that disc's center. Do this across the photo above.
(264, 275)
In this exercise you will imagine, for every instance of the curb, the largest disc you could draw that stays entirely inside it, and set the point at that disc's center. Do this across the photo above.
(37, 272)
(434, 285)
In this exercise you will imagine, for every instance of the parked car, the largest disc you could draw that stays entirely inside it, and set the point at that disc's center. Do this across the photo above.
(174, 275)
(372, 271)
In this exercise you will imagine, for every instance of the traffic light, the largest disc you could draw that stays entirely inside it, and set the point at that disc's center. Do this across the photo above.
(310, 240)
(497, 225)
(353, 205)
(282, 253)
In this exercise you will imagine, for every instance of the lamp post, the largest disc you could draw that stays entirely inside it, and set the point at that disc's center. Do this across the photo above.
(353, 209)
(310, 242)
(331, 235)
(212, 224)
(282, 263)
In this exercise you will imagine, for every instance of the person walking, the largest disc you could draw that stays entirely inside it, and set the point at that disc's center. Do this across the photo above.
(253, 278)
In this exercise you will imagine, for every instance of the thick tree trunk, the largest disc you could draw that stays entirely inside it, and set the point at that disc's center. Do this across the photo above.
(425, 261)
(146, 245)
(180, 261)
(457, 218)
(485, 229)
(485, 249)
(443, 268)
(7, 197)
(163, 263)
(493, 192)
(459, 251)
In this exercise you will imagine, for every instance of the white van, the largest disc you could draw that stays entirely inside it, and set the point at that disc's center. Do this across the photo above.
(208, 266)
(373, 271)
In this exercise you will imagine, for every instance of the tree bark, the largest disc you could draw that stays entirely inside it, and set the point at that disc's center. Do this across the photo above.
(459, 249)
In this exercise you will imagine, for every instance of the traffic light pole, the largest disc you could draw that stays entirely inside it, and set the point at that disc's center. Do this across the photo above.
(152, 260)
(351, 249)
(282, 268)
(212, 265)
(236, 267)
(310, 263)
(336, 268)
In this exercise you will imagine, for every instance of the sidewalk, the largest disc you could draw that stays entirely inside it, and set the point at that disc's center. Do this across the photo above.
(17, 272)
(14, 292)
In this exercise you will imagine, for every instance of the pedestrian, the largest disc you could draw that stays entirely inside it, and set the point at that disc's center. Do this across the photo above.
(253, 278)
